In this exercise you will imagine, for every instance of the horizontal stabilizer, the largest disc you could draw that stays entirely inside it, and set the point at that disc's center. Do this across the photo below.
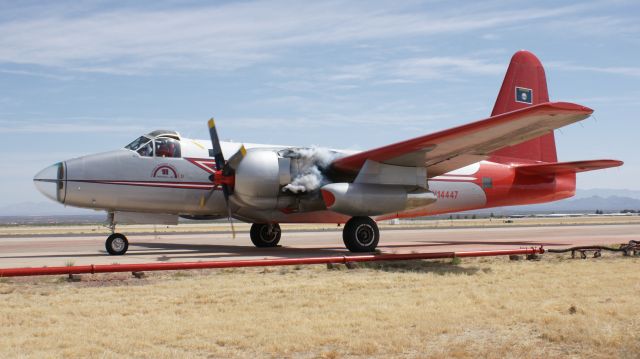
(567, 167)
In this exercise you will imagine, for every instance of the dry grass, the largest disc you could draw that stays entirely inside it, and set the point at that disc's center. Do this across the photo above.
(223, 227)
(489, 308)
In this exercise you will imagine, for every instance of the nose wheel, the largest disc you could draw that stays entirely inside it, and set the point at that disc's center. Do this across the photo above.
(361, 234)
(117, 244)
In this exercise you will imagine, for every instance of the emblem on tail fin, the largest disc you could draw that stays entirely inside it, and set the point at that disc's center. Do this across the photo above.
(524, 95)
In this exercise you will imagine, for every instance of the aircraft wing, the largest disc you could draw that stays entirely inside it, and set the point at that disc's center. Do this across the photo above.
(447, 150)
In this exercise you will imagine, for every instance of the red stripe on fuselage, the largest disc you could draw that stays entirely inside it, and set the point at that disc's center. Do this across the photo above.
(180, 185)
(200, 163)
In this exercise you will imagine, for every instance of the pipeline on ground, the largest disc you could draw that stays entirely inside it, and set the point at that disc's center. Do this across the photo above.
(144, 267)
(632, 248)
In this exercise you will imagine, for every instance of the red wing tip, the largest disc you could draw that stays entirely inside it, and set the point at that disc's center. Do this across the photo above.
(569, 106)
(605, 163)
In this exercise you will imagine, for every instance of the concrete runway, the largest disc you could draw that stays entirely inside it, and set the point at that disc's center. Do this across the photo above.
(52, 251)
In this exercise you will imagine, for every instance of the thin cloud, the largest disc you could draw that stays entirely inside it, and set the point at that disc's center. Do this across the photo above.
(374, 118)
(620, 100)
(33, 126)
(442, 67)
(410, 70)
(35, 74)
(227, 37)
(596, 27)
(616, 70)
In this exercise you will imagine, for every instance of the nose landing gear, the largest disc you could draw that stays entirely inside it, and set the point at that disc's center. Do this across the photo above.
(117, 243)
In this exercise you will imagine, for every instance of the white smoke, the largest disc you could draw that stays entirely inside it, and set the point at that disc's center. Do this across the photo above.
(311, 164)
(311, 180)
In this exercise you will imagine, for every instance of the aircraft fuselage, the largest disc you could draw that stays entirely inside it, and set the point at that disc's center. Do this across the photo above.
(124, 180)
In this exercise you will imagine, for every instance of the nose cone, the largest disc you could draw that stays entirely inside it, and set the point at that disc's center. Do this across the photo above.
(50, 182)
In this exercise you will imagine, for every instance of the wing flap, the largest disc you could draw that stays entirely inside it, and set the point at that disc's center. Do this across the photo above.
(447, 150)
(567, 167)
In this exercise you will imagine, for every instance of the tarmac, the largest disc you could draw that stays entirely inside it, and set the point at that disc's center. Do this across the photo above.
(61, 250)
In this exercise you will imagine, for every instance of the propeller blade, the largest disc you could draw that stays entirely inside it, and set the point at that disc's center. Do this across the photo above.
(205, 198)
(236, 158)
(215, 141)
(229, 216)
(220, 166)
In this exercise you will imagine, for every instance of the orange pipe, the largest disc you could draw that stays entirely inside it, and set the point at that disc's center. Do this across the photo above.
(143, 267)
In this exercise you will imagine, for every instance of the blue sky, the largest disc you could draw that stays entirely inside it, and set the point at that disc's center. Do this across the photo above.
(83, 77)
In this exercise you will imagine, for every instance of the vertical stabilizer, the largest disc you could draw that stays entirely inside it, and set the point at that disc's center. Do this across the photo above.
(524, 85)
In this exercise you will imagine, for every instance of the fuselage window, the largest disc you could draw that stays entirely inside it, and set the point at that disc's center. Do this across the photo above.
(167, 147)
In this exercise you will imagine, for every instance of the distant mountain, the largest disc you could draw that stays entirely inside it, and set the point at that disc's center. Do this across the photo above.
(576, 204)
(592, 203)
(604, 192)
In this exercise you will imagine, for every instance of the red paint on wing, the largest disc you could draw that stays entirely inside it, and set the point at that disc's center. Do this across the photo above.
(354, 162)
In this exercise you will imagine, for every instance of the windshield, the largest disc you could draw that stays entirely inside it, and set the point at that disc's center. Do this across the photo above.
(137, 143)
(146, 150)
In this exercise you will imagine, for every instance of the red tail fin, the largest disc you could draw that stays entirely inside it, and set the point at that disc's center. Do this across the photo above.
(524, 85)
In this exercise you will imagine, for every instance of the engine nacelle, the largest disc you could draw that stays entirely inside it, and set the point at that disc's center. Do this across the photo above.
(364, 199)
(266, 179)
(259, 177)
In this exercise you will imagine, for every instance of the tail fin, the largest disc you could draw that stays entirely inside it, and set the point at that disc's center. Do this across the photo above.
(524, 85)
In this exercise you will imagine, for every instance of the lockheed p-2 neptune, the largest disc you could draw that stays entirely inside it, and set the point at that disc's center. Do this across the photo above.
(507, 159)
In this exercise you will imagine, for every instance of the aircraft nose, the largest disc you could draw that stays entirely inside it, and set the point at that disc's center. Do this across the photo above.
(50, 182)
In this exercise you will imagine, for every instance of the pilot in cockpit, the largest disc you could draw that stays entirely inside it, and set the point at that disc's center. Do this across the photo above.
(167, 147)
(164, 147)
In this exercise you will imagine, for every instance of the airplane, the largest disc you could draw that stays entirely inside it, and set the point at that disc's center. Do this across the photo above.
(507, 159)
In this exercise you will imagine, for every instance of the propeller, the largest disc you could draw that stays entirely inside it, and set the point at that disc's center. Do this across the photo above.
(224, 175)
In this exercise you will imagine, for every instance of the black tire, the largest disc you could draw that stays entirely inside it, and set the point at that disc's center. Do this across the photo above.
(117, 244)
(260, 236)
(361, 234)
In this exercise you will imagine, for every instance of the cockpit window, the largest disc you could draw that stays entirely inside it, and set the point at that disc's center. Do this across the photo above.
(137, 143)
(146, 150)
(167, 147)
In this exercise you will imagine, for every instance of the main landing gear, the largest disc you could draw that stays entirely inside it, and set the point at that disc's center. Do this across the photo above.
(265, 234)
(116, 244)
(361, 234)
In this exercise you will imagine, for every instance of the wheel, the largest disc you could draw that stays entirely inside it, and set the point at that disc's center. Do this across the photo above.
(361, 234)
(262, 236)
(117, 244)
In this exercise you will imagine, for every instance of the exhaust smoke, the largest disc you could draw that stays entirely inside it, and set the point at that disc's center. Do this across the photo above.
(309, 167)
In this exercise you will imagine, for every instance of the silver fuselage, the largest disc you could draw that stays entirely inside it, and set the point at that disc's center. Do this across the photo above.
(123, 181)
